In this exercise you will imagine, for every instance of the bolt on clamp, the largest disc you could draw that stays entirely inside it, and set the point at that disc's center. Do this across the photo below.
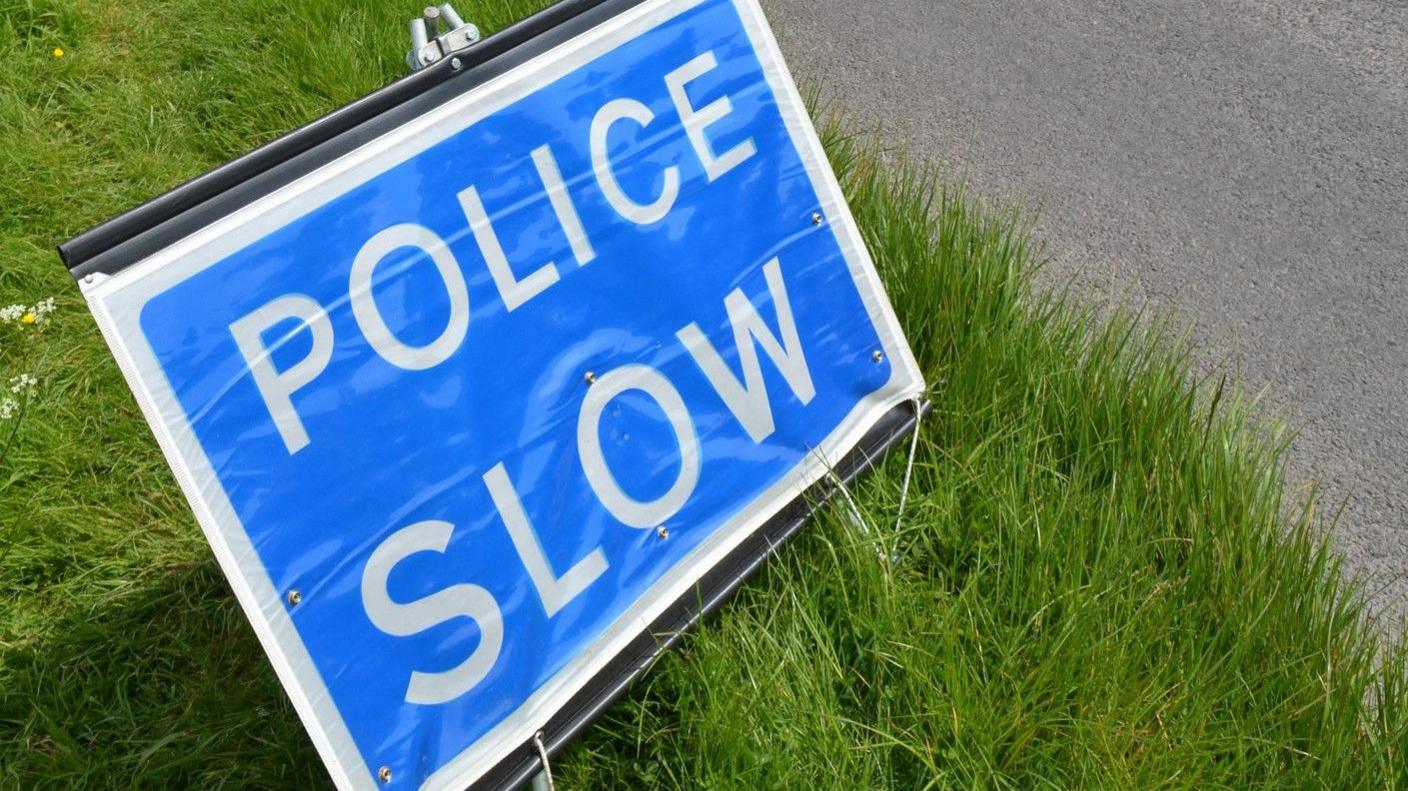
(429, 45)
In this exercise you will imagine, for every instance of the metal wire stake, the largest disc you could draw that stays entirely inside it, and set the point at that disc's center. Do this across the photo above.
(542, 781)
(918, 402)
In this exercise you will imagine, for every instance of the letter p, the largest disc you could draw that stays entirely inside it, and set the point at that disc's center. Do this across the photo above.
(277, 387)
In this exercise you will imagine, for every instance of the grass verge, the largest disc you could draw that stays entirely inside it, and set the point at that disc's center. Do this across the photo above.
(1098, 581)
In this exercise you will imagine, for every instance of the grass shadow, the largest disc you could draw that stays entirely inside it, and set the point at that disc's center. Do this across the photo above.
(163, 685)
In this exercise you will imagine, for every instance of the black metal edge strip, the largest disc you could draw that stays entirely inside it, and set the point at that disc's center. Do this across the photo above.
(715, 588)
(80, 252)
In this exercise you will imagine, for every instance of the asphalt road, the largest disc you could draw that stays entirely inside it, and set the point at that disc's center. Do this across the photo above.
(1241, 163)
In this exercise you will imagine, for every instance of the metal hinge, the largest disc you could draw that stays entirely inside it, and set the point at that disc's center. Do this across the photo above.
(428, 45)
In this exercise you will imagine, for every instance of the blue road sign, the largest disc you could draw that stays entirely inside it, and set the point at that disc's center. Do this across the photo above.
(463, 410)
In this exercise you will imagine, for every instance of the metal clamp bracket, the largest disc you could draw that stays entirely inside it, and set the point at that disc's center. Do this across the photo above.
(429, 45)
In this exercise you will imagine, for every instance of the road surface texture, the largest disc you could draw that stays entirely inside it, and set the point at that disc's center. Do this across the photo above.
(1242, 164)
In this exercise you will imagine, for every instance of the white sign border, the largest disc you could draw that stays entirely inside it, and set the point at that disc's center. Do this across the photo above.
(116, 303)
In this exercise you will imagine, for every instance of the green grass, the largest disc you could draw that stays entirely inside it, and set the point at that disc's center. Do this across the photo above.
(1099, 583)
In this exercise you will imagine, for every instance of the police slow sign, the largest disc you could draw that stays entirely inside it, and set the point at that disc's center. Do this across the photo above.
(462, 410)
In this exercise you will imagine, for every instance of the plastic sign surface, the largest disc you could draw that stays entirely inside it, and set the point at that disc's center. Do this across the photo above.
(462, 411)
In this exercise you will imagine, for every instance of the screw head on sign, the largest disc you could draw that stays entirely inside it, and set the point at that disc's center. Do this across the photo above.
(384, 774)
(817, 218)
(295, 598)
(662, 531)
(589, 377)
(455, 64)
(88, 278)
(878, 356)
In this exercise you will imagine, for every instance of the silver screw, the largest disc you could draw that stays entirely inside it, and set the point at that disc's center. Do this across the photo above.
(662, 531)
(455, 64)
(817, 219)
(590, 378)
(384, 774)
(878, 356)
(88, 278)
(295, 598)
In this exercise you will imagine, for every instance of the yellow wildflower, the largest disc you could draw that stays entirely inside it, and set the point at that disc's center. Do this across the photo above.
(58, 52)
(29, 318)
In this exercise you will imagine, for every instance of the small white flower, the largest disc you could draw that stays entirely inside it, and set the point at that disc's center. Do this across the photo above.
(44, 308)
(12, 312)
(22, 383)
(8, 407)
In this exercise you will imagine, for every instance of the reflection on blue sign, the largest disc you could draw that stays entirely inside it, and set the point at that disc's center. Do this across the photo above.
(483, 407)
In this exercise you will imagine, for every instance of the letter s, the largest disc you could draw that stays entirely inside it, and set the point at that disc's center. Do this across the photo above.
(402, 620)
